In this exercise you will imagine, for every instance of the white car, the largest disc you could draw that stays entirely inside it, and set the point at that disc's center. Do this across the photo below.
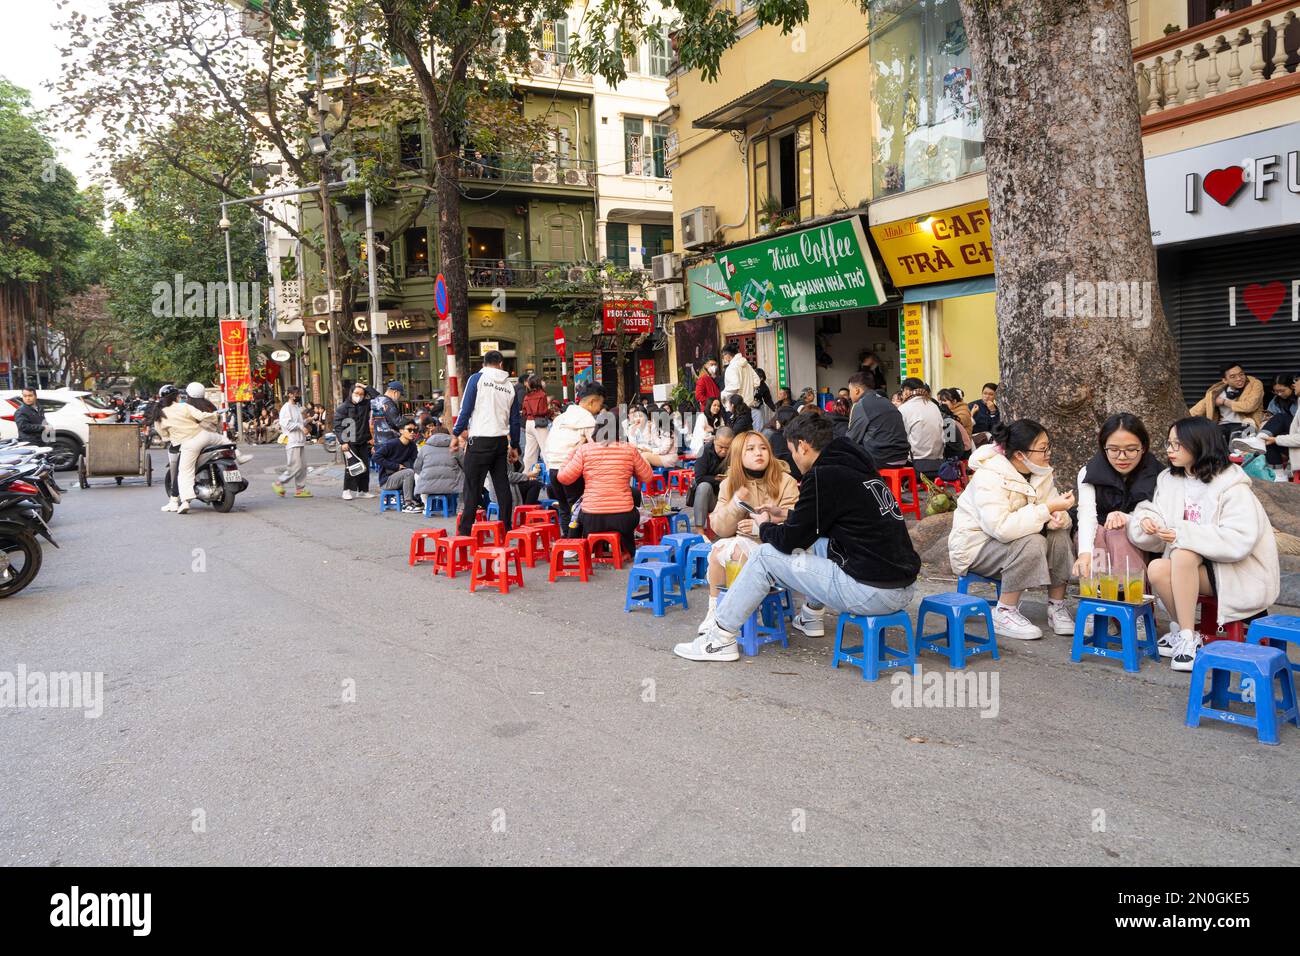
(68, 412)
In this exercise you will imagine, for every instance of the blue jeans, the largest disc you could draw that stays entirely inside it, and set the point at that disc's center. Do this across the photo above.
(811, 573)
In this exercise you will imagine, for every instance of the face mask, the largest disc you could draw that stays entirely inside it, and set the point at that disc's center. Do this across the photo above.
(712, 369)
(1035, 469)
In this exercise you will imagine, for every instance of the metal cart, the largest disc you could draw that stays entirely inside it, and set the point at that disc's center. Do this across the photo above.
(115, 451)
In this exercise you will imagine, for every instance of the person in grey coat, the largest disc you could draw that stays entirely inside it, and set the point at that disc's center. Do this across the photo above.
(437, 468)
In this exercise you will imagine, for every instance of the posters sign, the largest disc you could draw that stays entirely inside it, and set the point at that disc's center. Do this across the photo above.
(823, 269)
(912, 340)
(234, 361)
(949, 244)
(647, 376)
(633, 316)
(581, 368)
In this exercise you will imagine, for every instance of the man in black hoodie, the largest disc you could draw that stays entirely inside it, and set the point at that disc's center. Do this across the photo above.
(877, 425)
(845, 544)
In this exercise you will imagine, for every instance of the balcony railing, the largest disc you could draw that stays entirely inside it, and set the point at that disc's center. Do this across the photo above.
(504, 274)
(1245, 49)
(536, 168)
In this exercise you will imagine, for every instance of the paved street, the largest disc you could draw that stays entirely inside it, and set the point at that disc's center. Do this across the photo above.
(547, 726)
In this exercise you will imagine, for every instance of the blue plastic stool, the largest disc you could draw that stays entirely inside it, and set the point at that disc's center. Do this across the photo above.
(655, 552)
(765, 625)
(1263, 665)
(446, 505)
(697, 565)
(658, 577)
(875, 654)
(966, 580)
(681, 545)
(1099, 644)
(544, 476)
(547, 504)
(390, 501)
(953, 640)
(679, 518)
(1275, 627)
(493, 511)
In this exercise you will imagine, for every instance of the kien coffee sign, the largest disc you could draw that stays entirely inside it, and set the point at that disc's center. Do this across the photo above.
(1236, 186)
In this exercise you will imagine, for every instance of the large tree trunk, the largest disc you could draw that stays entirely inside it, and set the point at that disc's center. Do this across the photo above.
(451, 242)
(1068, 205)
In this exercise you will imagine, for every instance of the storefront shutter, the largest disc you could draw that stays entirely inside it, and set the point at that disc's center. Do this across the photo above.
(1194, 285)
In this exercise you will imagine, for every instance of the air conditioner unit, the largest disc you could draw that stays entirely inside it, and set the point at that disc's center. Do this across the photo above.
(699, 226)
(669, 297)
(544, 173)
(320, 305)
(575, 177)
(665, 267)
(577, 274)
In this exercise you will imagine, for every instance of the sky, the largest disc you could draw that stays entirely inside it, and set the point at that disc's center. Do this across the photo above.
(29, 58)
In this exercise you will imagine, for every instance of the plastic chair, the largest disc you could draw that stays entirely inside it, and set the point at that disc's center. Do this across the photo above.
(1274, 627)
(875, 654)
(896, 478)
(493, 511)
(517, 513)
(658, 577)
(953, 641)
(1128, 616)
(681, 544)
(679, 522)
(531, 542)
(492, 568)
(446, 505)
(452, 554)
(488, 533)
(580, 547)
(1208, 626)
(390, 501)
(653, 529)
(418, 538)
(654, 552)
(966, 580)
(697, 565)
(765, 625)
(614, 555)
(1262, 665)
(655, 486)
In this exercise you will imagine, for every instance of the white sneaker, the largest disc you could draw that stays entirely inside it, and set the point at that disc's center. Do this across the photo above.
(172, 504)
(716, 645)
(347, 494)
(1185, 647)
(1009, 622)
(809, 622)
(1058, 616)
(365, 494)
(183, 508)
(1165, 642)
(708, 621)
(1247, 446)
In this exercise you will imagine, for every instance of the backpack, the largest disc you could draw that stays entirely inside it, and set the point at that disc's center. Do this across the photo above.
(956, 440)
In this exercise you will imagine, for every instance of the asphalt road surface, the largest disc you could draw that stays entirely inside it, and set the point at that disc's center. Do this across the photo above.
(279, 687)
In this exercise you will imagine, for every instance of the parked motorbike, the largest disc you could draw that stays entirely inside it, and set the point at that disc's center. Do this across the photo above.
(20, 524)
(217, 478)
(32, 464)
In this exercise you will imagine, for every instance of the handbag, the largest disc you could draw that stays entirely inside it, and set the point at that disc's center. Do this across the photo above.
(356, 467)
(1123, 553)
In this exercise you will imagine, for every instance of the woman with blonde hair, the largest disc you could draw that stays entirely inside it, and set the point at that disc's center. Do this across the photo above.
(758, 478)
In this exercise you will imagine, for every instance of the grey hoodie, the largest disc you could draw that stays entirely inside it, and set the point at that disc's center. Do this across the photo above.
(437, 470)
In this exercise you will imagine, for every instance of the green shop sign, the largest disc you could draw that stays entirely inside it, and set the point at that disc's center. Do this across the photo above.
(823, 269)
(708, 293)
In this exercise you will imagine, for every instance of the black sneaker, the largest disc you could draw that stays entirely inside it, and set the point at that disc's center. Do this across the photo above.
(411, 508)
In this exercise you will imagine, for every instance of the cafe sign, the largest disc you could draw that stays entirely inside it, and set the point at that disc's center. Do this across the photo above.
(395, 322)
(707, 291)
(949, 244)
(823, 269)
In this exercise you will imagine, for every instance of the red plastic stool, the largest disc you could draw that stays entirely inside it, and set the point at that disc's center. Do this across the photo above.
(491, 533)
(680, 480)
(418, 538)
(653, 529)
(542, 516)
(1209, 625)
(479, 515)
(492, 568)
(655, 486)
(614, 555)
(515, 520)
(452, 554)
(578, 546)
(529, 542)
(894, 478)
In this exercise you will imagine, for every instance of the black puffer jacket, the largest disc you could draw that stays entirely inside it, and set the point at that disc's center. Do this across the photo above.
(31, 423)
(842, 498)
(353, 419)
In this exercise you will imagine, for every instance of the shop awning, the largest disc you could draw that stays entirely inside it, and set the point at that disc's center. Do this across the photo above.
(949, 290)
(772, 96)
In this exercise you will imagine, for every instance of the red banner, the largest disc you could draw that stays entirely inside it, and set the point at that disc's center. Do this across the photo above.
(234, 361)
(634, 316)
(647, 376)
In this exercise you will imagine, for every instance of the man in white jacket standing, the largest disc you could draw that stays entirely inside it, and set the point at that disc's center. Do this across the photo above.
(489, 412)
(576, 425)
(739, 377)
(295, 429)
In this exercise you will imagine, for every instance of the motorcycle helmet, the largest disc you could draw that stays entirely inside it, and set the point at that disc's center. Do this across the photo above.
(194, 390)
(167, 390)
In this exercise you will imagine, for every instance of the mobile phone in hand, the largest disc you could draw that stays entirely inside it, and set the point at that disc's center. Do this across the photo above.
(745, 507)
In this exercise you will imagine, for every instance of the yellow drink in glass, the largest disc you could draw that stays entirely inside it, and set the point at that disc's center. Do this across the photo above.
(1108, 587)
(1135, 589)
(1087, 588)
(733, 572)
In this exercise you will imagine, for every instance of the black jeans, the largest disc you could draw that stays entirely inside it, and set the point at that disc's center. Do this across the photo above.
(362, 481)
(1277, 425)
(483, 457)
(565, 496)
